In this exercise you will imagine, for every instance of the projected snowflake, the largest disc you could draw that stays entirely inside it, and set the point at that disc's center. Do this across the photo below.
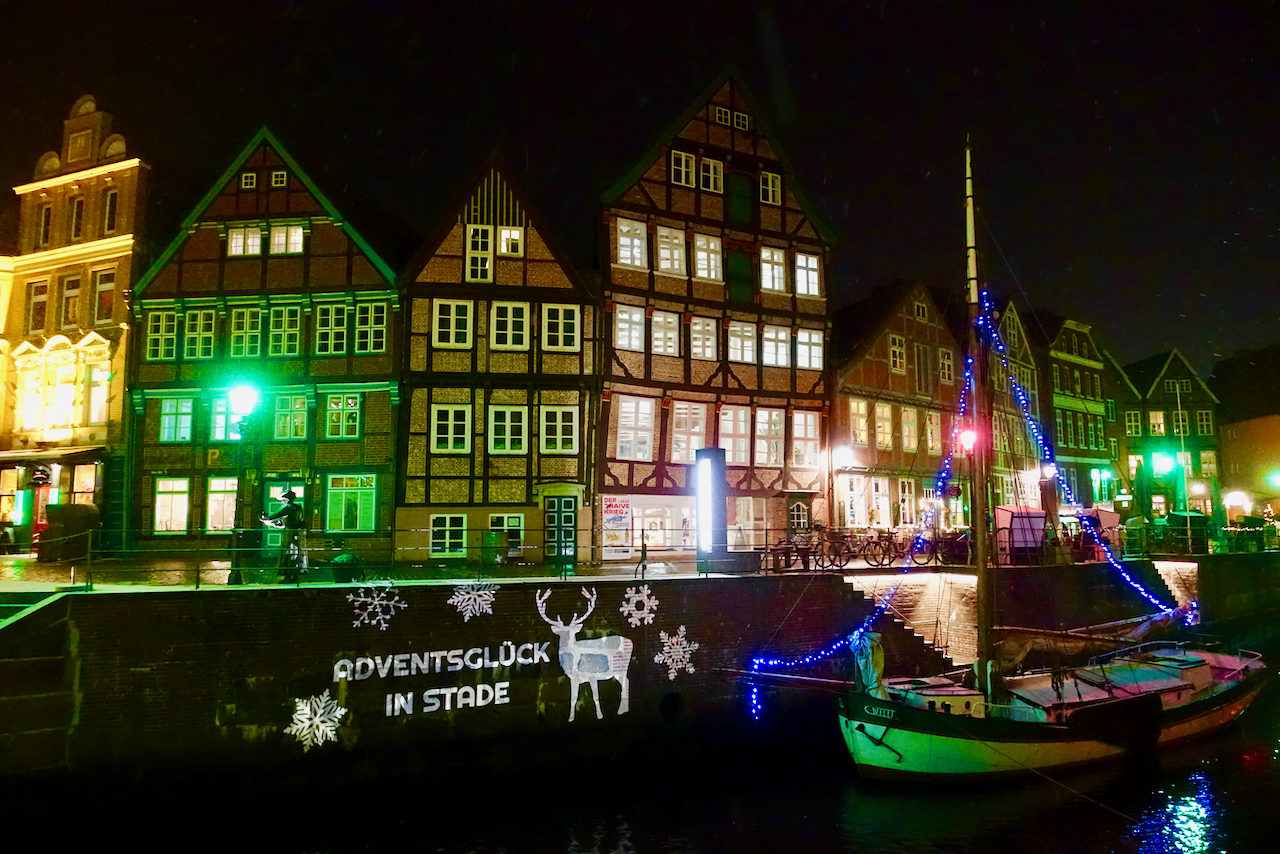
(677, 652)
(473, 599)
(316, 720)
(376, 605)
(638, 606)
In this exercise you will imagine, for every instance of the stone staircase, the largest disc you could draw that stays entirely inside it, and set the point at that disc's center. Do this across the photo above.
(938, 607)
(1182, 578)
(35, 683)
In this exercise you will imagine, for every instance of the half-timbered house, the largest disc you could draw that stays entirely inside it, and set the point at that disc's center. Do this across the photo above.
(716, 300)
(267, 362)
(898, 377)
(502, 385)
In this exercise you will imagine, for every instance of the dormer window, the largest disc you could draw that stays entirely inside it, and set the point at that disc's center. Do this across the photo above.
(279, 178)
(248, 180)
(722, 115)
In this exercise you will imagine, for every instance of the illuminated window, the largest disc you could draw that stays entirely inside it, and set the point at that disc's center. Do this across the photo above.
(631, 243)
(933, 432)
(804, 440)
(173, 501)
(451, 429)
(246, 332)
(175, 419)
(509, 326)
(453, 324)
(351, 503)
(721, 115)
(682, 168)
(1208, 464)
(1157, 423)
(244, 241)
(770, 427)
(671, 251)
(628, 328)
(84, 483)
(104, 287)
(712, 172)
(809, 349)
(635, 428)
(76, 220)
(559, 429)
(742, 343)
(741, 121)
(884, 426)
(773, 269)
(162, 336)
(688, 431)
(37, 307)
(735, 434)
(906, 501)
(286, 239)
(946, 366)
(279, 178)
(1204, 422)
(371, 327)
(513, 525)
(665, 333)
(70, 314)
(702, 338)
(331, 329)
(897, 354)
(97, 387)
(807, 280)
(342, 416)
(285, 333)
(508, 429)
(248, 180)
(706, 257)
(511, 241)
(479, 253)
(110, 211)
(220, 505)
(859, 417)
(909, 434)
(197, 338)
(448, 535)
(560, 328)
(44, 232)
(223, 425)
(775, 347)
(770, 188)
(291, 416)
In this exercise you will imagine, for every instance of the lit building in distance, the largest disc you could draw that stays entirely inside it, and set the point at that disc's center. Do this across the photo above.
(62, 424)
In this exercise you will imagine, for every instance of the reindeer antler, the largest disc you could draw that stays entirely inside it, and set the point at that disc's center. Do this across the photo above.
(541, 599)
(591, 606)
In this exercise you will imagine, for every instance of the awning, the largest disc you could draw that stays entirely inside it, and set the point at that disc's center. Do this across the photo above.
(41, 454)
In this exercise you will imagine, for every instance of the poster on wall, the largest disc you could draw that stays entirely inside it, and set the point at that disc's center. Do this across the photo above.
(616, 527)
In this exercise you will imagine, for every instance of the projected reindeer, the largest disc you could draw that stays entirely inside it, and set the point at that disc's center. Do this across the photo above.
(591, 660)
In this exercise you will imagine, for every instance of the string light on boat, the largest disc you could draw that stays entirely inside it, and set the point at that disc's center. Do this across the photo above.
(986, 320)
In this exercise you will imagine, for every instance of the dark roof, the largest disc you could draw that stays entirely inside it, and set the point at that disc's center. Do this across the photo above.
(1144, 372)
(854, 327)
(1247, 383)
(1045, 326)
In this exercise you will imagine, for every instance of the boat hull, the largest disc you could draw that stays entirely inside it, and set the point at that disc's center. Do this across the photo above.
(889, 740)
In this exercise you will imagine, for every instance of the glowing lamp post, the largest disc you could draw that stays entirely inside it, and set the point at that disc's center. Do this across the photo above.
(242, 400)
(710, 489)
(968, 441)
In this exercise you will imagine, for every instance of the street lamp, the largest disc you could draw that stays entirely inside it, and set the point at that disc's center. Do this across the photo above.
(242, 400)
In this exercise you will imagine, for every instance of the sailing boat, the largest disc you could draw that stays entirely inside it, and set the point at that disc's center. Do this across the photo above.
(980, 723)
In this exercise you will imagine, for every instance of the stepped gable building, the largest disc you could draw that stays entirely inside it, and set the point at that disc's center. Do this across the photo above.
(897, 380)
(1170, 428)
(716, 300)
(63, 354)
(1076, 406)
(502, 385)
(267, 361)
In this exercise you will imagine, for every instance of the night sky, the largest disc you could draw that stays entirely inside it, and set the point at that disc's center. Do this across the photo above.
(1126, 153)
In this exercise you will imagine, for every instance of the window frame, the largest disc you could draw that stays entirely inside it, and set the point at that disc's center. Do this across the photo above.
(683, 165)
(708, 258)
(808, 275)
(37, 295)
(290, 240)
(551, 435)
(177, 416)
(1156, 418)
(773, 269)
(688, 430)
(664, 333)
(671, 251)
(199, 334)
(575, 333)
(477, 264)
(349, 410)
(450, 411)
(809, 347)
(639, 427)
(510, 241)
(512, 333)
(736, 435)
(771, 188)
(68, 314)
(805, 436)
(897, 354)
(279, 178)
(331, 319)
(711, 175)
(224, 425)
(770, 436)
(371, 317)
(229, 486)
(1204, 422)
(361, 492)
(104, 282)
(633, 237)
(110, 210)
(775, 345)
(248, 180)
(452, 328)
(162, 336)
(510, 437)
(744, 335)
(703, 344)
(445, 529)
(293, 417)
(629, 328)
(172, 503)
(244, 241)
(248, 337)
(284, 336)
(884, 426)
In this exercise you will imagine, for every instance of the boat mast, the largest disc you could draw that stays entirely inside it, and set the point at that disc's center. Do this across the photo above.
(982, 428)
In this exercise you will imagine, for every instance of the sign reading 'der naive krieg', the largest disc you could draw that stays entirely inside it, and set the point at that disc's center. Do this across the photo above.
(399, 665)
